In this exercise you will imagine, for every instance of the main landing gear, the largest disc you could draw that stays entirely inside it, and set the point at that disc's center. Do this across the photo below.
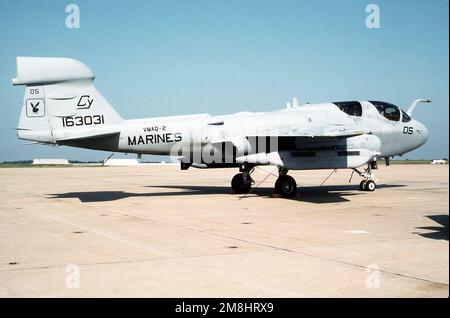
(285, 185)
(368, 182)
(242, 182)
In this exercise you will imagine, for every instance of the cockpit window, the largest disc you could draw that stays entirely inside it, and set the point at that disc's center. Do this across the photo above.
(350, 108)
(389, 111)
(405, 117)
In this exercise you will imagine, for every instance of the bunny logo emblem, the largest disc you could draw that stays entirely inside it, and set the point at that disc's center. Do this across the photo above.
(35, 107)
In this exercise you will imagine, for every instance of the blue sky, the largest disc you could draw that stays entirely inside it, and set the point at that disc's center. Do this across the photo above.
(154, 58)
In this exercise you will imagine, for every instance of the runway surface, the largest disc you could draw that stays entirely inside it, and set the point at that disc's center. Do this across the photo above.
(156, 231)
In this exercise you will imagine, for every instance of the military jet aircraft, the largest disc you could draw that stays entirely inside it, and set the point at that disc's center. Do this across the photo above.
(61, 106)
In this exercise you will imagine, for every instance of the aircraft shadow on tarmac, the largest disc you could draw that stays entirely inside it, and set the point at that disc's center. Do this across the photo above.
(438, 232)
(324, 194)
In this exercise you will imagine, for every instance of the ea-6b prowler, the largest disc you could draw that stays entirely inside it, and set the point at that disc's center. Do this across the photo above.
(61, 106)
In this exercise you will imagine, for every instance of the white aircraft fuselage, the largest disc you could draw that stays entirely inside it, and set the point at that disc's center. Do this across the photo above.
(158, 135)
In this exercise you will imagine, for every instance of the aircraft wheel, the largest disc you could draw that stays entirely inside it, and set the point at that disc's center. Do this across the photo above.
(362, 186)
(370, 185)
(240, 185)
(286, 186)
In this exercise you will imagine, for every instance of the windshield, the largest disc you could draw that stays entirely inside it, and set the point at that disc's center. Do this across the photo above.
(387, 110)
(405, 117)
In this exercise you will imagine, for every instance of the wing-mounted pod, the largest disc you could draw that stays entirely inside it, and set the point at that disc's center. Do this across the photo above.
(356, 151)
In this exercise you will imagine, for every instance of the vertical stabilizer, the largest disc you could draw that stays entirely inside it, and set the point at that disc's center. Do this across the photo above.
(60, 100)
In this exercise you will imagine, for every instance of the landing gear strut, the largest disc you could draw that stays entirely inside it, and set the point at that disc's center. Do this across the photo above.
(367, 184)
(242, 182)
(285, 185)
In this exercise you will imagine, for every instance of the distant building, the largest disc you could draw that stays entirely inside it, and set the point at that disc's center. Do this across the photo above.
(438, 162)
(121, 162)
(50, 162)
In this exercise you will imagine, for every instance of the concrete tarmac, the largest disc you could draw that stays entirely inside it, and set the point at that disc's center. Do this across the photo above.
(156, 231)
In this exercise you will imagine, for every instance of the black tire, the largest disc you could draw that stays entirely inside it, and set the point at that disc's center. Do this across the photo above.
(239, 185)
(362, 186)
(370, 186)
(286, 186)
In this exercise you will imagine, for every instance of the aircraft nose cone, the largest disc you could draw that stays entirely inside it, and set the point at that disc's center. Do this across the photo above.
(423, 132)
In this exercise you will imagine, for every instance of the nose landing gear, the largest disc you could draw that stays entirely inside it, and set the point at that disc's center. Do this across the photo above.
(367, 185)
(368, 182)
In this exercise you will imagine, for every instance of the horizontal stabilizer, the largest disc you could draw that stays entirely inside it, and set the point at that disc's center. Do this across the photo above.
(89, 134)
(39, 143)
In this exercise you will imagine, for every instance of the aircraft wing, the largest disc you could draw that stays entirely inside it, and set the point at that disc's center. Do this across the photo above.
(294, 137)
(326, 132)
(303, 148)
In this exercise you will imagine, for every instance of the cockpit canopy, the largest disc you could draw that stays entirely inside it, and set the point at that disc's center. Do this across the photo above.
(387, 110)
(350, 108)
(390, 111)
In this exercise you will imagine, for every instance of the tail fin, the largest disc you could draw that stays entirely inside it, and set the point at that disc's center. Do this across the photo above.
(60, 101)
